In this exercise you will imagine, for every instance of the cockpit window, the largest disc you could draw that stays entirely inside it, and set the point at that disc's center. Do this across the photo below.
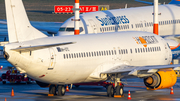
(70, 29)
(62, 29)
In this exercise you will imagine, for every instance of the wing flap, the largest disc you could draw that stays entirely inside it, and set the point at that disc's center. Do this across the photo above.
(139, 71)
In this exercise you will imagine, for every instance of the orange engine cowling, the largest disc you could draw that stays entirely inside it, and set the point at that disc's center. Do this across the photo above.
(162, 79)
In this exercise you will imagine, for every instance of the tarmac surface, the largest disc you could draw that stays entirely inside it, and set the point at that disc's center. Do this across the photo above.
(32, 92)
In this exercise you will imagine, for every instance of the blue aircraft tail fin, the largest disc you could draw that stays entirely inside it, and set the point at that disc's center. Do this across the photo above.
(175, 2)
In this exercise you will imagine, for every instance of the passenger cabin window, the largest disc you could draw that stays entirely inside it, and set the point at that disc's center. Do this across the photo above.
(89, 54)
(74, 55)
(77, 55)
(131, 50)
(92, 53)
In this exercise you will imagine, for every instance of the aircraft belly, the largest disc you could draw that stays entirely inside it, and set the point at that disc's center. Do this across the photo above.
(71, 71)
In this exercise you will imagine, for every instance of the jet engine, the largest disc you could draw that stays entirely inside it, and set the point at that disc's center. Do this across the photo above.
(43, 85)
(162, 79)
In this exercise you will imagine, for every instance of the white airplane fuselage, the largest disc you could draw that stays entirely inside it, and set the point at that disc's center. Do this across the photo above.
(130, 19)
(88, 56)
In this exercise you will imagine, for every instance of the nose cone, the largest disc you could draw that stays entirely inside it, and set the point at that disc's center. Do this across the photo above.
(149, 80)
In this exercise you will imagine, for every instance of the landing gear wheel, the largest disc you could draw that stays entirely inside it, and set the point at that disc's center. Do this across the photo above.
(77, 86)
(61, 90)
(110, 91)
(52, 89)
(119, 90)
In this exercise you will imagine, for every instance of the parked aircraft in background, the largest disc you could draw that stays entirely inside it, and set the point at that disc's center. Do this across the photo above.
(129, 19)
(64, 60)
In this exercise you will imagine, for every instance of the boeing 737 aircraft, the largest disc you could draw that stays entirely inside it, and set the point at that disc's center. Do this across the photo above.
(64, 60)
(129, 19)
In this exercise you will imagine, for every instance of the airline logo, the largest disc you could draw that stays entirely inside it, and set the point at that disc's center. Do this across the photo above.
(145, 40)
(113, 20)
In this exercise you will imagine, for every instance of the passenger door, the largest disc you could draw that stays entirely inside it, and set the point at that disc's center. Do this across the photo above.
(52, 59)
(93, 25)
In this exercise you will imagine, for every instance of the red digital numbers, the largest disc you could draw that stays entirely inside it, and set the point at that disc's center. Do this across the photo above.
(69, 9)
(62, 9)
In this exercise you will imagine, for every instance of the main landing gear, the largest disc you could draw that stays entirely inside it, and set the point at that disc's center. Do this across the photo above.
(59, 88)
(116, 89)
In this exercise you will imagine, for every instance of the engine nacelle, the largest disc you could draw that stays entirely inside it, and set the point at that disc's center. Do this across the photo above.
(162, 79)
(43, 85)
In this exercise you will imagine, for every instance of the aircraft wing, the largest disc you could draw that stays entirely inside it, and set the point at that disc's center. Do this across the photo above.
(49, 27)
(49, 30)
(3, 22)
(176, 36)
(31, 48)
(138, 71)
(145, 2)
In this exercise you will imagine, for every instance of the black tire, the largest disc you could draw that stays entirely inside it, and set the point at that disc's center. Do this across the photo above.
(4, 82)
(110, 91)
(119, 90)
(61, 90)
(77, 86)
(106, 86)
(52, 89)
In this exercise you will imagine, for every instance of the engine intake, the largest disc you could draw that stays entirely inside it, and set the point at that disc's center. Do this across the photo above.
(162, 79)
